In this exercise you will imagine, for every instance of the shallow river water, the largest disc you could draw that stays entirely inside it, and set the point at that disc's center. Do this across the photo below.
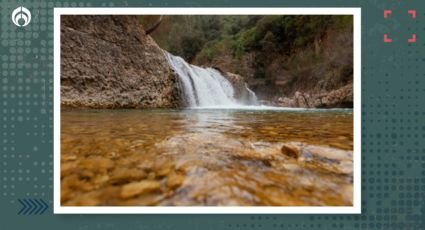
(207, 157)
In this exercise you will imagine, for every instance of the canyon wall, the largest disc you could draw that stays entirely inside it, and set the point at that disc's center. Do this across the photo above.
(109, 62)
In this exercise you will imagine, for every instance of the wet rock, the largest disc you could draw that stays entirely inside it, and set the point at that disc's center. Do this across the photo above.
(291, 150)
(339, 98)
(292, 167)
(328, 152)
(187, 167)
(163, 171)
(175, 180)
(74, 182)
(327, 158)
(240, 87)
(101, 179)
(136, 188)
(68, 157)
(237, 82)
(146, 199)
(89, 199)
(96, 164)
(68, 167)
(348, 193)
(125, 175)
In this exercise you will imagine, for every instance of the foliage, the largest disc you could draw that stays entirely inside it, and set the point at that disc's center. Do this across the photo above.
(262, 46)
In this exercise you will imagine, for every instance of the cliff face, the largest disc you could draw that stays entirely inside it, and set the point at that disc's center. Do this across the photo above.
(287, 60)
(109, 62)
(316, 76)
(340, 98)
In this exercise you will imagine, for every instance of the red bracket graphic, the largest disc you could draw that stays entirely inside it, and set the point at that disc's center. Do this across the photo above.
(386, 16)
(413, 39)
(387, 13)
(412, 12)
(387, 39)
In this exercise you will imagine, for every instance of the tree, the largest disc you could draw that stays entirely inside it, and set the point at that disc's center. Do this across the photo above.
(155, 25)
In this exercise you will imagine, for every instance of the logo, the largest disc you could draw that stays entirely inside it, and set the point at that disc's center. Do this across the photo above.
(21, 16)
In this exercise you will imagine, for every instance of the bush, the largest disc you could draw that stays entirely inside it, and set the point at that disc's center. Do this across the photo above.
(191, 45)
(248, 39)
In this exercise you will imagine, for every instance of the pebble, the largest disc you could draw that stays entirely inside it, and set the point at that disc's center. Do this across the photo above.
(175, 180)
(136, 188)
(291, 150)
(96, 163)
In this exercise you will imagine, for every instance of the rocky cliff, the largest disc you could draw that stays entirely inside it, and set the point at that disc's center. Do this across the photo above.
(340, 98)
(109, 62)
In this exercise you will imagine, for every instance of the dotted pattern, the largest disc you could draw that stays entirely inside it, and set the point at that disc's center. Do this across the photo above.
(393, 123)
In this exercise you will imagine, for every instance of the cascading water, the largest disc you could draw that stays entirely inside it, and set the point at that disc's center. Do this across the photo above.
(206, 87)
(251, 98)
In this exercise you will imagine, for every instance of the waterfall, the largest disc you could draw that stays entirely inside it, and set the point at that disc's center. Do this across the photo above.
(206, 87)
(251, 98)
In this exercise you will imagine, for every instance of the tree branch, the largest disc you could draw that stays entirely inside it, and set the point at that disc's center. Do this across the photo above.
(155, 26)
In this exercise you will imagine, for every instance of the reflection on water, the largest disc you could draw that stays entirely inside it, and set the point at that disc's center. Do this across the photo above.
(206, 157)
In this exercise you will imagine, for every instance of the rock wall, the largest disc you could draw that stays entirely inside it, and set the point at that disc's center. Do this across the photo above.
(239, 86)
(237, 82)
(340, 98)
(109, 62)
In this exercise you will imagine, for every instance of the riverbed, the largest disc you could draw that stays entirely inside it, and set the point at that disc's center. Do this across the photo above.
(207, 157)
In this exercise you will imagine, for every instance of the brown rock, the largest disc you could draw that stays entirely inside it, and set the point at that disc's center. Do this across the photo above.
(175, 180)
(68, 167)
(96, 164)
(239, 84)
(109, 62)
(339, 98)
(291, 150)
(125, 175)
(136, 188)
(89, 199)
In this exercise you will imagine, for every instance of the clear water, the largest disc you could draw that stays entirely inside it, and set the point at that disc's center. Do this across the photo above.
(206, 157)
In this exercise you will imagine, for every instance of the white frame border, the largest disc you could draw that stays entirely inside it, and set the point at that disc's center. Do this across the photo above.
(355, 209)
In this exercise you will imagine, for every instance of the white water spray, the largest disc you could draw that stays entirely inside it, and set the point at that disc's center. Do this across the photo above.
(206, 87)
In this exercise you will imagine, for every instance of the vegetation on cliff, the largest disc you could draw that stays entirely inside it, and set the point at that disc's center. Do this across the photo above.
(287, 60)
(277, 55)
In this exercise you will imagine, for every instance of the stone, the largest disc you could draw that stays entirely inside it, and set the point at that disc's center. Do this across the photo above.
(109, 62)
(291, 150)
(239, 84)
(96, 164)
(125, 175)
(175, 180)
(137, 188)
(339, 98)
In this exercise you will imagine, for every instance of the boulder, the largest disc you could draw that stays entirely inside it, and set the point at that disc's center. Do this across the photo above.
(339, 98)
(240, 87)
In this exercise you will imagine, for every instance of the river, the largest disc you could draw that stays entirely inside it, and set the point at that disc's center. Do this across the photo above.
(207, 157)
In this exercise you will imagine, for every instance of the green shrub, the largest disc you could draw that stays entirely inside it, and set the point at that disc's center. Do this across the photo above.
(191, 45)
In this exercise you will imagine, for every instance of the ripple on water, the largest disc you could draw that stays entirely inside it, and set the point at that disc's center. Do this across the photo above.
(206, 157)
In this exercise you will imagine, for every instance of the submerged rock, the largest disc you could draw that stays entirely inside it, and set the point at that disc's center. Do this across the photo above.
(291, 150)
(204, 159)
(320, 157)
(136, 188)
(175, 180)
